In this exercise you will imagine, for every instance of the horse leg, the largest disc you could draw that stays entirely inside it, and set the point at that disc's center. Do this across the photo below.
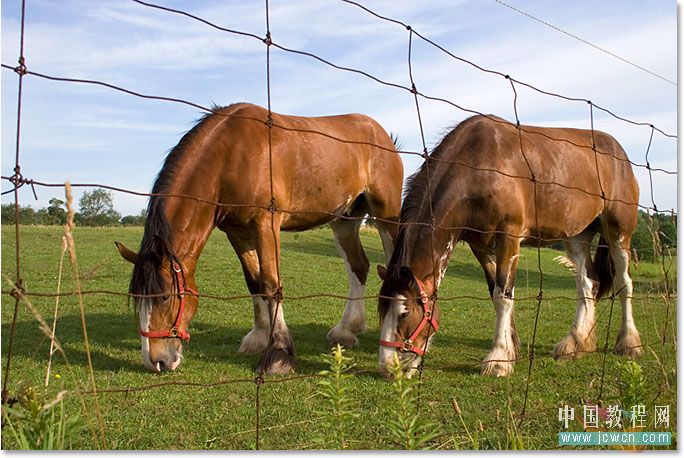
(500, 360)
(628, 341)
(384, 204)
(355, 260)
(279, 356)
(256, 340)
(582, 336)
(388, 233)
(487, 260)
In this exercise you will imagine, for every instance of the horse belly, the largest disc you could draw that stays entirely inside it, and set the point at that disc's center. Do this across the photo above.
(326, 188)
(562, 214)
(309, 219)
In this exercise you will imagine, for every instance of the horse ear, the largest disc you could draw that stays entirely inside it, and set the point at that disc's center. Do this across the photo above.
(128, 255)
(382, 272)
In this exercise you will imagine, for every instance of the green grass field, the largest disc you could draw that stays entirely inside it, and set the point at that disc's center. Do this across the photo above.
(187, 416)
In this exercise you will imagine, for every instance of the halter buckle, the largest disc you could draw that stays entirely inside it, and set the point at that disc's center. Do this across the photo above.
(176, 267)
(174, 331)
(428, 314)
(407, 345)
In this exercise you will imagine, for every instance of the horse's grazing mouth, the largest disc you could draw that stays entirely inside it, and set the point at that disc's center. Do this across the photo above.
(162, 361)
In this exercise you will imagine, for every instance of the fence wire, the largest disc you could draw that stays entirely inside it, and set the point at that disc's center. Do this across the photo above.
(17, 180)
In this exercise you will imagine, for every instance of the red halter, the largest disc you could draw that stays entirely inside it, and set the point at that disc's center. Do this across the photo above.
(407, 345)
(175, 331)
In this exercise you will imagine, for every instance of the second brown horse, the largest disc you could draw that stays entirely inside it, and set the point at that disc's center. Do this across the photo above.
(495, 186)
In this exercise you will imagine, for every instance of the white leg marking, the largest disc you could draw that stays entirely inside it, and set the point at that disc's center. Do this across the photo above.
(500, 360)
(585, 320)
(582, 335)
(354, 317)
(629, 341)
(279, 324)
(256, 340)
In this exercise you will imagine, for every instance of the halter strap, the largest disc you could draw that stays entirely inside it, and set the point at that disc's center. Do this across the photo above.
(428, 318)
(175, 331)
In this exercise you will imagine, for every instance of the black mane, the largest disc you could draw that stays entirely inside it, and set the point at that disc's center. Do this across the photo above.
(415, 208)
(416, 205)
(157, 239)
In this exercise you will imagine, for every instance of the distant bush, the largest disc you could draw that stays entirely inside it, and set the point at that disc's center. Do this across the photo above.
(660, 228)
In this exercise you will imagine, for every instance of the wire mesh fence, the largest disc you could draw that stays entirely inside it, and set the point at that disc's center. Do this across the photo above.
(89, 389)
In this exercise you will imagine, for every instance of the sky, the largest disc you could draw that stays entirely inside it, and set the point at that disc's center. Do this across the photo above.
(90, 134)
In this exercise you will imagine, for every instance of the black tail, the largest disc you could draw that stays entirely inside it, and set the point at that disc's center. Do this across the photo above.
(395, 140)
(603, 268)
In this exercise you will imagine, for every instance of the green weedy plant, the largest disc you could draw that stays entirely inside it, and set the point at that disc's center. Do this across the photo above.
(513, 437)
(632, 384)
(36, 425)
(338, 408)
(474, 440)
(413, 431)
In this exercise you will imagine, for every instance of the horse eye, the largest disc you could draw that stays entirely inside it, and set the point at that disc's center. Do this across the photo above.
(165, 299)
(403, 316)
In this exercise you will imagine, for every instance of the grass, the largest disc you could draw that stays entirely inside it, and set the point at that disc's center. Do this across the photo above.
(224, 416)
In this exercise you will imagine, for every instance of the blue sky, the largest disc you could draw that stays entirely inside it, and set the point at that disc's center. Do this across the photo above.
(89, 134)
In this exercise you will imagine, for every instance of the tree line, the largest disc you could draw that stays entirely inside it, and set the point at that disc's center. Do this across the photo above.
(96, 208)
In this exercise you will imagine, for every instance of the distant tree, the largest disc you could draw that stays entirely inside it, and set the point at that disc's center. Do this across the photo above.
(96, 208)
(135, 220)
(662, 224)
(7, 214)
(56, 212)
(27, 215)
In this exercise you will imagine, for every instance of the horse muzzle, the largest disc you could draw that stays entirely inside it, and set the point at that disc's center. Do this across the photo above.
(160, 358)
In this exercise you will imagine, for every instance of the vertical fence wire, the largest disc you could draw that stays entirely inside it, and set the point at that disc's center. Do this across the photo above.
(426, 156)
(277, 295)
(540, 295)
(18, 286)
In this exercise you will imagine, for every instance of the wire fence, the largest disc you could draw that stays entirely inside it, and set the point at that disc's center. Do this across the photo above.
(17, 180)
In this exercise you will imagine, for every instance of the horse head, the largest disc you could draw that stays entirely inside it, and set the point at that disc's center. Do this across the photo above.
(408, 319)
(165, 303)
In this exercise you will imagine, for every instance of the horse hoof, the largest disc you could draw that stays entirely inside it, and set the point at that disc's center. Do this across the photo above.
(277, 362)
(342, 336)
(497, 368)
(629, 344)
(255, 342)
(572, 347)
(498, 363)
(359, 328)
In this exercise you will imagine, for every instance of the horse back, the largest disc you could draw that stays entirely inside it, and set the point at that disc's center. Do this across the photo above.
(535, 180)
(310, 164)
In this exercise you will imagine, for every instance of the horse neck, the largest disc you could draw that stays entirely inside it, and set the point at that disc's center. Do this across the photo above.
(190, 211)
(427, 253)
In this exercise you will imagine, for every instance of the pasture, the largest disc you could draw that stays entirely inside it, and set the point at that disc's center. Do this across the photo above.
(212, 414)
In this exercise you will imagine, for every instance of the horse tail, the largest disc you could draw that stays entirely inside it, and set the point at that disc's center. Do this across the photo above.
(396, 141)
(603, 268)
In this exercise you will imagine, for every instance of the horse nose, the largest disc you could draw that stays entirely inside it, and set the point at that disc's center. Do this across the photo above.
(164, 364)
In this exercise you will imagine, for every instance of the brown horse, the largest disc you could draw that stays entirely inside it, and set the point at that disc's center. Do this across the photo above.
(481, 189)
(320, 171)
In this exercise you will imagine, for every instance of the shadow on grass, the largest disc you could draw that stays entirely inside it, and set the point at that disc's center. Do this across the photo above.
(111, 334)
(115, 346)
(467, 270)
